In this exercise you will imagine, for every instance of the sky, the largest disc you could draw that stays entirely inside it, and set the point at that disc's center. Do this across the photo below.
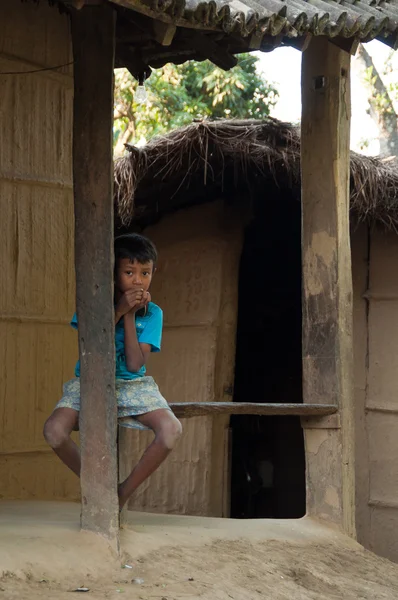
(283, 67)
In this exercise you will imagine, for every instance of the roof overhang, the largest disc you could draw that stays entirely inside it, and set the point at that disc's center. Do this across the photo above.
(151, 33)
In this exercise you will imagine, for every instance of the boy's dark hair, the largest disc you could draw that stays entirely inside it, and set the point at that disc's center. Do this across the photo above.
(135, 247)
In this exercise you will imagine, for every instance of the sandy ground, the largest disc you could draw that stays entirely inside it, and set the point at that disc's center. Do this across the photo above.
(42, 555)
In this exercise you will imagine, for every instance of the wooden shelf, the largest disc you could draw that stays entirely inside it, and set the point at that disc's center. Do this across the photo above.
(185, 410)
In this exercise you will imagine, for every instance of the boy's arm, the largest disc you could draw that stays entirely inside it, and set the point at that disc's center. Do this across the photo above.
(129, 303)
(136, 353)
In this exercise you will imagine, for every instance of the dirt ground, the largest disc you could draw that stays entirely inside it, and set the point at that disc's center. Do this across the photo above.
(239, 570)
(184, 560)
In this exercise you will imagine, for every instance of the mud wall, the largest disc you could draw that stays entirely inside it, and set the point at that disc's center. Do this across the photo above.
(197, 287)
(360, 267)
(376, 352)
(37, 347)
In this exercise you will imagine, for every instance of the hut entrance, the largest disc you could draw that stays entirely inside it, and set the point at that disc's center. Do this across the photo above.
(268, 460)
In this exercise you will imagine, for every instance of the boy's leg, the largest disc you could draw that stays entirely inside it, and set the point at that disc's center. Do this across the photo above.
(167, 430)
(57, 430)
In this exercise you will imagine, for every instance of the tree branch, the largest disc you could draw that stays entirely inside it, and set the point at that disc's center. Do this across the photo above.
(381, 106)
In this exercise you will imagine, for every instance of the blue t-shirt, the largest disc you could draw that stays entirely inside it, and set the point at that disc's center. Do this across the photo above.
(149, 331)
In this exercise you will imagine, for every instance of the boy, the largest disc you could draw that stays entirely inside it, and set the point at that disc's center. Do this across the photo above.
(138, 332)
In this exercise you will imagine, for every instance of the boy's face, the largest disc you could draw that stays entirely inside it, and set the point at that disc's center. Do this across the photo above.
(131, 274)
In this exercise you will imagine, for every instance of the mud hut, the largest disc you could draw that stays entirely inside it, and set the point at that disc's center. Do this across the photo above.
(56, 177)
(223, 202)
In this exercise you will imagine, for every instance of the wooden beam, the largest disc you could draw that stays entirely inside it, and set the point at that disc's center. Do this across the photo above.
(349, 45)
(211, 50)
(128, 33)
(327, 279)
(163, 33)
(186, 410)
(132, 60)
(158, 59)
(270, 43)
(299, 43)
(78, 4)
(93, 36)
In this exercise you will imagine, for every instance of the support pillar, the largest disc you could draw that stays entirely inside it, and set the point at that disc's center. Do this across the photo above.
(327, 281)
(93, 35)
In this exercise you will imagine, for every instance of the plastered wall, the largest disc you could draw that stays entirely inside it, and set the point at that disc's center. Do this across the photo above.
(37, 347)
(196, 286)
(376, 352)
(359, 246)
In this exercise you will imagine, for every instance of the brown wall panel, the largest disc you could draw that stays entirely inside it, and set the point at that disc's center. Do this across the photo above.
(37, 346)
(196, 286)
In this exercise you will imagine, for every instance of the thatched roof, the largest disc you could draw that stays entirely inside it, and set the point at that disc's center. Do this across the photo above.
(206, 159)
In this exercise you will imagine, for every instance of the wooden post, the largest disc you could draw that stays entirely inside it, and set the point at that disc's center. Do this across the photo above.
(327, 279)
(93, 35)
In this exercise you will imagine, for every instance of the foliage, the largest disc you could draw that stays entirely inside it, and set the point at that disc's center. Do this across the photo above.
(179, 94)
(382, 100)
(382, 95)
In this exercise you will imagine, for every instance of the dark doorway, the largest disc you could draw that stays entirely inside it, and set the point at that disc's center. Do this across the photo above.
(268, 460)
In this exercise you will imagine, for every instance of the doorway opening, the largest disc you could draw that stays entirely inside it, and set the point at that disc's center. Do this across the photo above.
(268, 458)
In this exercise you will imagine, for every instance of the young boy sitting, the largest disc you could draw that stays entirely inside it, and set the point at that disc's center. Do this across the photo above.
(138, 332)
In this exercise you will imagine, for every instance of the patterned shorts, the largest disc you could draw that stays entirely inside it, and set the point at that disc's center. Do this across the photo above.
(134, 397)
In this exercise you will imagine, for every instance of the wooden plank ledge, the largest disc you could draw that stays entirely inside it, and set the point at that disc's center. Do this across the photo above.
(185, 410)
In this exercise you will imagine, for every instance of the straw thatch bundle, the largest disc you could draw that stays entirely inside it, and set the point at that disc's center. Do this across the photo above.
(211, 152)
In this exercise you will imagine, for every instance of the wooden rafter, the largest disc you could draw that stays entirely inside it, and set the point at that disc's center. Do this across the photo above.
(299, 43)
(349, 45)
(131, 59)
(211, 50)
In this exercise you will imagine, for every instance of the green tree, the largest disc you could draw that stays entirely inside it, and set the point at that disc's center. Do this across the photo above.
(179, 94)
(381, 98)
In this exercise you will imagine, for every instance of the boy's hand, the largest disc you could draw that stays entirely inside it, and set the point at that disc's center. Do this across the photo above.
(131, 301)
(144, 302)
